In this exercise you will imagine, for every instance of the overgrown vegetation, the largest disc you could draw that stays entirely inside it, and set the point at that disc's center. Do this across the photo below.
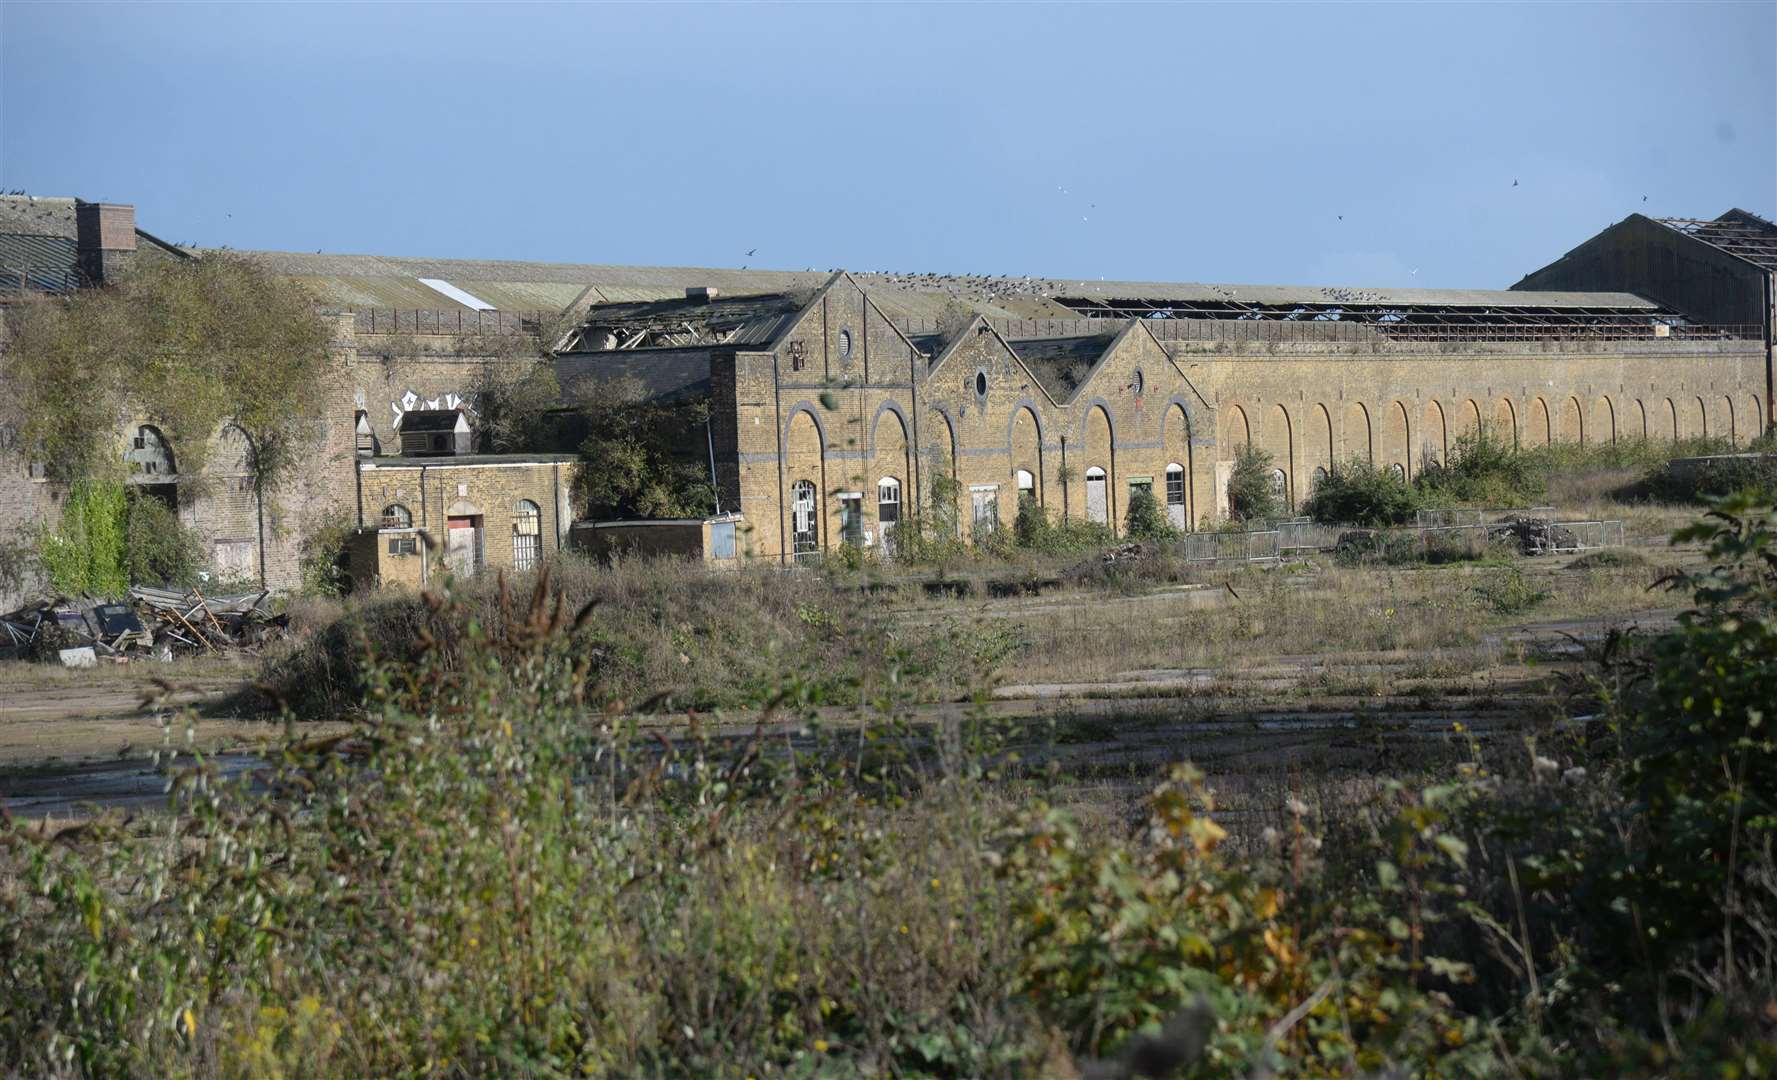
(87, 554)
(1484, 470)
(188, 344)
(159, 549)
(642, 456)
(1252, 495)
(490, 875)
(1359, 493)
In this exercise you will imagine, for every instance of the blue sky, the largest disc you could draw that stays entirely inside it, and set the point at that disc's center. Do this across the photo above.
(1179, 143)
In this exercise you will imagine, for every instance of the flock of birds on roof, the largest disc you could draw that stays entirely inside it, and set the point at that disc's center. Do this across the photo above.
(986, 287)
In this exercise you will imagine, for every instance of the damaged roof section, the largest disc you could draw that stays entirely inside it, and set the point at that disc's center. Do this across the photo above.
(1739, 233)
(701, 318)
(1061, 364)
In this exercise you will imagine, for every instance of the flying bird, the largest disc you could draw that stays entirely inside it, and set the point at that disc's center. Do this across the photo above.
(1514, 183)
(750, 253)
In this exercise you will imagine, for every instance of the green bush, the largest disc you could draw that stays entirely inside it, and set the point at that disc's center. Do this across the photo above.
(1251, 495)
(161, 551)
(325, 550)
(86, 555)
(1145, 520)
(1358, 493)
(1484, 470)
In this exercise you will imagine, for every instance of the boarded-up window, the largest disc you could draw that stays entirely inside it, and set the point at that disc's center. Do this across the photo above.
(1096, 508)
(234, 559)
(722, 540)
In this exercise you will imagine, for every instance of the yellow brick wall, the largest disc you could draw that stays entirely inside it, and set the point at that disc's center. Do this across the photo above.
(1195, 404)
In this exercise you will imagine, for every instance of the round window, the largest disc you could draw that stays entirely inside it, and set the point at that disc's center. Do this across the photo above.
(845, 343)
(1136, 384)
(980, 384)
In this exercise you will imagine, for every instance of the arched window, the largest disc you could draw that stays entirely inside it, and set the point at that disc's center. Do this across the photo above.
(1175, 494)
(1027, 484)
(1400, 471)
(1320, 473)
(149, 454)
(527, 534)
(396, 516)
(805, 537)
(1280, 484)
(888, 509)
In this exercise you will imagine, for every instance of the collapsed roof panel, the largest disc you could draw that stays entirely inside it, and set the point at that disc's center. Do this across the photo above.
(1737, 232)
(702, 317)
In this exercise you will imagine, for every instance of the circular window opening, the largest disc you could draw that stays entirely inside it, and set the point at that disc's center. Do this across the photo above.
(980, 384)
(845, 343)
(1136, 384)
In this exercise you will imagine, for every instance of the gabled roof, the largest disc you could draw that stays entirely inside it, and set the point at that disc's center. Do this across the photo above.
(1740, 233)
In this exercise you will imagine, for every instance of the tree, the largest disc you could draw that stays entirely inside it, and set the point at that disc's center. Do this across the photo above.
(643, 457)
(1359, 493)
(513, 402)
(188, 345)
(1144, 520)
(1251, 496)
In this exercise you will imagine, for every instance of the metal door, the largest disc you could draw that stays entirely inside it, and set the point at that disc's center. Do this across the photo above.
(1095, 503)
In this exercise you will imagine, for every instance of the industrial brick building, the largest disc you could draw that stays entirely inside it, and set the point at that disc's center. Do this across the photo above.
(841, 402)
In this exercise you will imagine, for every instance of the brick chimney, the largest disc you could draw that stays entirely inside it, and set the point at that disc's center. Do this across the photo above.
(106, 239)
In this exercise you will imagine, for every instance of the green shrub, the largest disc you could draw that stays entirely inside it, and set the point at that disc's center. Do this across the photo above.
(325, 551)
(161, 551)
(1145, 520)
(86, 555)
(1251, 494)
(1358, 493)
(1484, 470)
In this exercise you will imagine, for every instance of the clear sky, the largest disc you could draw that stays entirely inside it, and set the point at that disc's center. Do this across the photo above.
(1176, 143)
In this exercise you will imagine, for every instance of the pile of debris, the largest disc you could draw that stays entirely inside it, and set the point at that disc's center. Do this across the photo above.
(158, 623)
(1534, 536)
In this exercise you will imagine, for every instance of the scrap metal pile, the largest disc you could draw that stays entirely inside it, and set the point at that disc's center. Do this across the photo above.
(153, 623)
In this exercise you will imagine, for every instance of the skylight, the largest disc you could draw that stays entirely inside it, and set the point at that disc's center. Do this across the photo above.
(439, 285)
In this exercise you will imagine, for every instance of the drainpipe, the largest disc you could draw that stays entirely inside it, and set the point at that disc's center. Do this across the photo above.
(555, 497)
(1770, 350)
(715, 485)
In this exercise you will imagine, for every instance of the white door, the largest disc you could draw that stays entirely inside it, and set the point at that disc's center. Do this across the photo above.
(1095, 504)
(461, 544)
(1175, 496)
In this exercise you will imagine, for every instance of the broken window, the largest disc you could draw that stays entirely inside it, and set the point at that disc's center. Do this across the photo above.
(1027, 485)
(404, 545)
(396, 516)
(984, 510)
(805, 537)
(527, 535)
(1280, 485)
